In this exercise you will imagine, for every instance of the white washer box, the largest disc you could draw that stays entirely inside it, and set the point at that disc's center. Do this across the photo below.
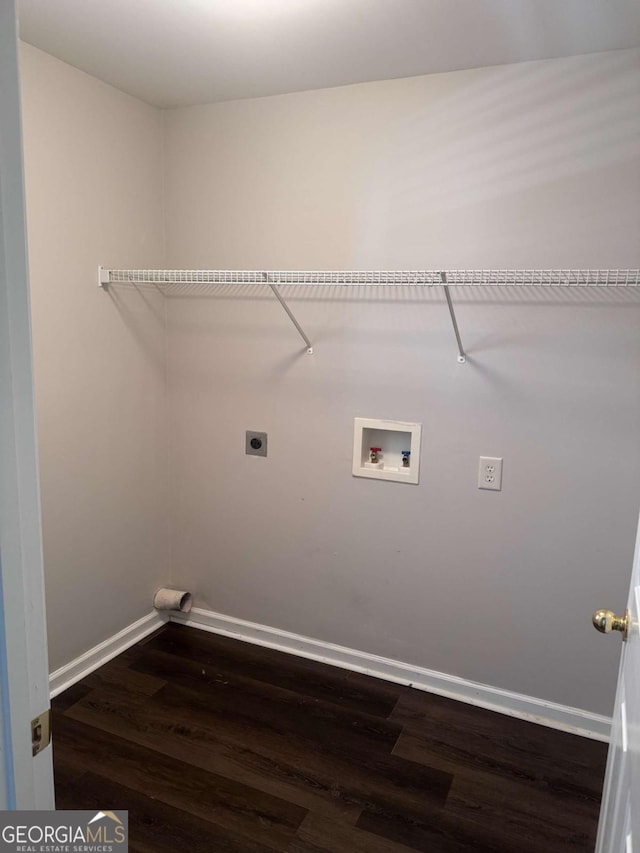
(392, 437)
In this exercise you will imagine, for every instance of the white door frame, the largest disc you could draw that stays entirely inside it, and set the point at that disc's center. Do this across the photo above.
(25, 782)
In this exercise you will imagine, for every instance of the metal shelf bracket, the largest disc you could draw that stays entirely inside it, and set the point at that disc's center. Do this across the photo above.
(461, 353)
(289, 312)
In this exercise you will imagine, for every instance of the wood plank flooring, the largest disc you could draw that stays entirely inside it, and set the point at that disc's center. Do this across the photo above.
(217, 745)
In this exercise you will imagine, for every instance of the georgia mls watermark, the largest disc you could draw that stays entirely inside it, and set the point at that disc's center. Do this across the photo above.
(64, 832)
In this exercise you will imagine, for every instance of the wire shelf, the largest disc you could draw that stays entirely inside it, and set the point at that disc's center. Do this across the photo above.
(468, 278)
(398, 278)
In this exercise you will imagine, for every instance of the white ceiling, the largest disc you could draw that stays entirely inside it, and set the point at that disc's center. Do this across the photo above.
(177, 52)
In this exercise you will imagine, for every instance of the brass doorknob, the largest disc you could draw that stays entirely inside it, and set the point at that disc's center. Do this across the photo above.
(606, 621)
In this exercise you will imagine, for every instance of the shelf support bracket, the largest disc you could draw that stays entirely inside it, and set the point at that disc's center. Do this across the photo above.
(103, 278)
(289, 312)
(461, 353)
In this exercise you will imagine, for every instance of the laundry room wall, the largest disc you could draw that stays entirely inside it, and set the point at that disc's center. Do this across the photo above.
(93, 164)
(535, 165)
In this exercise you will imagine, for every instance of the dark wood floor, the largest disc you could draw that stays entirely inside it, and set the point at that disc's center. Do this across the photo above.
(216, 745)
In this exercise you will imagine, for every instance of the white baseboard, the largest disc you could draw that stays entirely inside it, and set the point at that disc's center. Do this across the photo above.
(103, 652)
(540, 711)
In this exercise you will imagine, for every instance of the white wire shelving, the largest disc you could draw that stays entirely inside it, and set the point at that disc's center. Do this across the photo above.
(368, 278)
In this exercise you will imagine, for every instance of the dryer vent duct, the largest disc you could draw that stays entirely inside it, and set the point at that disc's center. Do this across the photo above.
(172, 599)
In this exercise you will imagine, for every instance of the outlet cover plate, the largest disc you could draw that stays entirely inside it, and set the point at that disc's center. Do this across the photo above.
(255, 443)
(490, 473)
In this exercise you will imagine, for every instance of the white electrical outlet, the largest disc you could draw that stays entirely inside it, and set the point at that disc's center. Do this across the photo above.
(490, 473)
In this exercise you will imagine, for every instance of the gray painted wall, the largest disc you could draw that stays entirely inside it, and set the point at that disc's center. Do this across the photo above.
(93, 163)
(530, 165)
(534, 165)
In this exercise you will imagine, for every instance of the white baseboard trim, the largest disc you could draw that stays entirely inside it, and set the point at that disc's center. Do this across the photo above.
(563, 717)
(103, 652)
(540, 711)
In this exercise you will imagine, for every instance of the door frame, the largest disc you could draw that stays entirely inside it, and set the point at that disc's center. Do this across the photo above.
(26, 782)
